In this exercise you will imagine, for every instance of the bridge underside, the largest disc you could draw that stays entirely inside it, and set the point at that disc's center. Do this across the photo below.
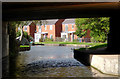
(53, 10)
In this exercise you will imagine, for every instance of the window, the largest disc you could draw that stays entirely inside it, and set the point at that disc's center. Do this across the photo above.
(50, 27)
(39, 28)
(66, 27)
(25, 28)
(45, 27)
(72, 26)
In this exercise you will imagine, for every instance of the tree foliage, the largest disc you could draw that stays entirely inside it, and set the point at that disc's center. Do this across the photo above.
(99, 28)
(18, 34)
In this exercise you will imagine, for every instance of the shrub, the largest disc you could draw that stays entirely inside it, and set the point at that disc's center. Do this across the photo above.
(25, 34)
(30, 38)
(48, 39)
(75, 40)
(18, 33)
(41, 40)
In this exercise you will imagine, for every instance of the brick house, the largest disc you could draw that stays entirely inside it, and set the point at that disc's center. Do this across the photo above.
(30, 29)
(55, 29)
(49, 29)
(68, 31)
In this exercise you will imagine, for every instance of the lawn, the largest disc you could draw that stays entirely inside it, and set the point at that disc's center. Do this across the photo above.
(93, 47)
(91, 44)
(24, 46)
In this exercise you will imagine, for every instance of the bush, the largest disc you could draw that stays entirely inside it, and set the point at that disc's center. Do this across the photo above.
(94, 47)
(25, 34)
(93, 40)
(48, 39)
(18, 33)
(41, 40)
(30, 38)
(75, 40)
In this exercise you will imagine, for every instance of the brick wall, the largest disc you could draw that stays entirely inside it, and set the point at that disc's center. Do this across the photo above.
(74, 29)
(50, 32)
(69, 27)
(58, 27)
(32, 28)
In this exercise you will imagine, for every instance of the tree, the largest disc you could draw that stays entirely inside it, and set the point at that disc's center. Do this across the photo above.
(18, 33)
(99, 28)
(21, 24)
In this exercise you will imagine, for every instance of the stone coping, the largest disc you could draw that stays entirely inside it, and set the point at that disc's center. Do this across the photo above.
(103, 60)
(107, 64)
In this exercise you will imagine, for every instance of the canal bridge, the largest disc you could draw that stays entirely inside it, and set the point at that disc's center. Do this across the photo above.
(45, 10)
(24, 11)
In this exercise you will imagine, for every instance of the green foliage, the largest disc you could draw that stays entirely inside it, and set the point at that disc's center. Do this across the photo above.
(41, 40)
(24, 46)
(100, 45)
(99, 28)
(25, 34)
(18, 34)
(30, 38)
(75, 40)
(13, 44)
(48, 39)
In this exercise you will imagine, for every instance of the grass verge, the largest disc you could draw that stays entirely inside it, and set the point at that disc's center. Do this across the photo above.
(94, 46)
(91, 44)
(24, 46)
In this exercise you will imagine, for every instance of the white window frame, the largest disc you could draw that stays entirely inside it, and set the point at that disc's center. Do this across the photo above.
(65, 27)
(25, 28)
(51, 27)
(40, 29)
(45, 27)
(72, 26)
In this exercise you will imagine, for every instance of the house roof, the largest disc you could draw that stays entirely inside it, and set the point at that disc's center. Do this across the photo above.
(49, 22)
(69, 21)
(46, 22)
(29, 23)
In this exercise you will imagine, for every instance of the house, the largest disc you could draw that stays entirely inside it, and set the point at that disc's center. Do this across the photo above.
(30, 29)
(49, 29)
(55, 29)
(68, 31)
